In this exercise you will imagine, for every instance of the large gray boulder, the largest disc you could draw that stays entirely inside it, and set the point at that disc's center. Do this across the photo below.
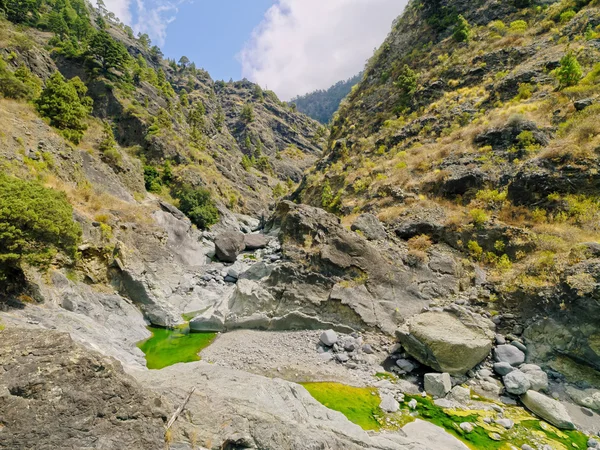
(448, 342)
(255, 241)
(548, 409)
(370, 227)
(229, 245)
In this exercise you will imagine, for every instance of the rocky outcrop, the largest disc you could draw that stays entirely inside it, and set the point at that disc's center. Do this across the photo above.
(57, 394)
(448, 342)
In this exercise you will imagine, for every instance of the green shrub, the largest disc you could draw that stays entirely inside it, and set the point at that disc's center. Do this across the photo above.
(462, 30)
(247, 114)
(518, 26)
(569, 73)
(108, 146)
(478, 217)
(152, 179)
(475, 249)
(566, 16)
(35, 223)
(326, 195)
(66, 105)
(20, 84)
(197, 204)
(407, 84)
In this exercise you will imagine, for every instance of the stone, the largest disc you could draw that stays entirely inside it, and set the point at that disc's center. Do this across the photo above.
(510, 354)
(580, 105)
(438, 384)
(329, 338)
(485, 373)
(526, 447)
(500, 340)
(431, 436)
(460, 394)
(229, 245)
(467, 427)
(370, 227)
(342, 357)
(589, 398)
(389, 404)
(548, 409)
(368, 349)
(536, 376)
(506, 423)
(413, 404)
(503, 368)
(519, 345)
(447, 343)
(593, 443)
(516, 382)
(52, 383)
(406, 365)
(254, 242)
(209, 321)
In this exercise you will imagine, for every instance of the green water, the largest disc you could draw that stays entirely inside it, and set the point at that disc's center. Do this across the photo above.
(171, 346)
(361, 406)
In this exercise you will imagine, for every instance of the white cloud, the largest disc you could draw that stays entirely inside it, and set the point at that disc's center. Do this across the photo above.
(303, 45)
(146, 16)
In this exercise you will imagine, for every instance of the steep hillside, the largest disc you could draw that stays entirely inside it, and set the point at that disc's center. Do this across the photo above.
(245, 146)
(322, 104)
(475, 126)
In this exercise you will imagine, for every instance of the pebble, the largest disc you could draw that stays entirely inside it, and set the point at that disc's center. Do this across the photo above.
(506, 423)
(466, 427)
(412, 404)
(406, 365)
(500, 340)
(593, 443)
(495, 436)
(368, 349)
(329, 338)
(526, 447)
(485, 373)
(519, 346)
(342, 357)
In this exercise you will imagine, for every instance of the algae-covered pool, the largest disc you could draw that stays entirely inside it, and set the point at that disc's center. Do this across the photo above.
(361, 406)
(171, 346)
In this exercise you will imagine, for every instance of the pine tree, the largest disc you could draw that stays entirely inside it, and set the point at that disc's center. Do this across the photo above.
(462, 31)
(569, 73)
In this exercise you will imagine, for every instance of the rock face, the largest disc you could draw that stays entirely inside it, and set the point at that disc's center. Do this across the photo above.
(453, 343)
(370, 226)
(229, 245)
(56, 394)
(548, 409)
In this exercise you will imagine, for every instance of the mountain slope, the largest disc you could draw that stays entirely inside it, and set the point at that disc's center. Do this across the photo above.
(322, 104)
(474, 126)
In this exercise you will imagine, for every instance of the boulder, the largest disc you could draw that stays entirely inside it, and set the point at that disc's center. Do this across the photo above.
(406, 365)
(447, 342)
(329, 338)
(209, 321)
(516, 382)
(255, 242)
(389, 404)
(370, 227)
(548, 409)
(536, 376)
(438, 384)
(229, 245)
(460, 394)
(510, 354)
(503, 368)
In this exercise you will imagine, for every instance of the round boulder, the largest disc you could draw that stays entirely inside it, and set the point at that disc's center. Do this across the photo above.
(229, 245)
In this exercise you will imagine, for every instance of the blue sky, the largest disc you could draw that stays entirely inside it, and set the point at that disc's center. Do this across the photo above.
(212, 33)
(290, 46)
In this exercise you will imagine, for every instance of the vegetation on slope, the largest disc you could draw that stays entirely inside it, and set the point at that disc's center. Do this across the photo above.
(322, 104)
(482, 125)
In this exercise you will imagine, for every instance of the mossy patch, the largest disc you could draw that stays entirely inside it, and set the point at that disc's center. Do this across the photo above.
(359, 405)
(171, 346)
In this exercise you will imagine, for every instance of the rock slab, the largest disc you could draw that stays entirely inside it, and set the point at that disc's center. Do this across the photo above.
(548, 409)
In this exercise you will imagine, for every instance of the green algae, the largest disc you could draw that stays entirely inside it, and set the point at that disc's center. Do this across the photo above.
(359, 405)
(171, 346)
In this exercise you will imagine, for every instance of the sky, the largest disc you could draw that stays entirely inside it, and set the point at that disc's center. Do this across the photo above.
(289, 46)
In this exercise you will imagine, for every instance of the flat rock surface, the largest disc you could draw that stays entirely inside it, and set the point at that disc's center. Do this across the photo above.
(291, 355)
(429, 432)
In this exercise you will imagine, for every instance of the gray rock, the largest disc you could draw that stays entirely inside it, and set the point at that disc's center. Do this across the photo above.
(229, 245)
(500, 340)
(329, 338)
(448, 342)
(583, 103)
(342, 357)
(526, 447)
(510, 354)
(432, 435)
(460, 394)
(485, 373)
(593, 443)
(209, 321)
(370, 227)
(516, 382)
(519, 345)
(467, 427)
(536, 376)
(506, 423)
(503, 368)
(548, 409)
(389, 404)
(255, 241)
(368, 349)
(438, 384)
(413, 404)
(406, 365)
